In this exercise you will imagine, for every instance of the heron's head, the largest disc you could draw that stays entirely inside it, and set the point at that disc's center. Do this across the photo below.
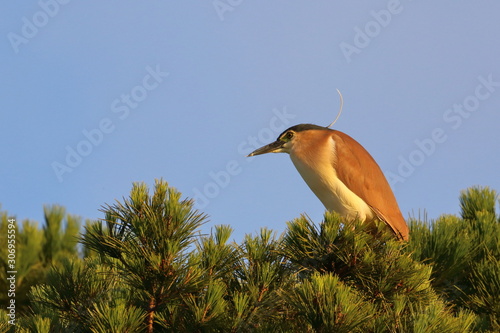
(289, 139)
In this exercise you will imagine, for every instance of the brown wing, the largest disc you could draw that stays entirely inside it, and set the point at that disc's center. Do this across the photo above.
(362, 175)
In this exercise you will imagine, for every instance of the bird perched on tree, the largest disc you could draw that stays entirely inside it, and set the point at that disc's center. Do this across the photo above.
(341, 173)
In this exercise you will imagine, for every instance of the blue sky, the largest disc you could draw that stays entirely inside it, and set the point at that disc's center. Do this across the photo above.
(98, 94)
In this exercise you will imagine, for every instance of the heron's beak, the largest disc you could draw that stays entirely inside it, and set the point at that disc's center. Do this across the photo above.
(274, 147)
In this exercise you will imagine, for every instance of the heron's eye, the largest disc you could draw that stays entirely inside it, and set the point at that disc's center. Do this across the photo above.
(288, 136)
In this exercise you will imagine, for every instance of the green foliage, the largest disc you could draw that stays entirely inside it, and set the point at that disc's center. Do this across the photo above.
(116, 317)
(35, 323)
(149, 235)
(146, 268)
(328, 305)
(36, 250)
(484, 280)
(217, 258)
(446, 246)
(477, 200)
(463, 253)
(259, 276)
(71, 290)
(379, 269)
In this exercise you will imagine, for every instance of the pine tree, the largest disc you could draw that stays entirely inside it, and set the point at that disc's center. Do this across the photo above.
(148, 237)
(148, 269)
(37, 250)
(375, 270)
(464, 252)
(260, 275)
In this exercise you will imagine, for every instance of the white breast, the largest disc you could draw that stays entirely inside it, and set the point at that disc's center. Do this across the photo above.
(333, 193)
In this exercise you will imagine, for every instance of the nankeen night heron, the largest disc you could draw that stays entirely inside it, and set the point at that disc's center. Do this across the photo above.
(341, 173)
